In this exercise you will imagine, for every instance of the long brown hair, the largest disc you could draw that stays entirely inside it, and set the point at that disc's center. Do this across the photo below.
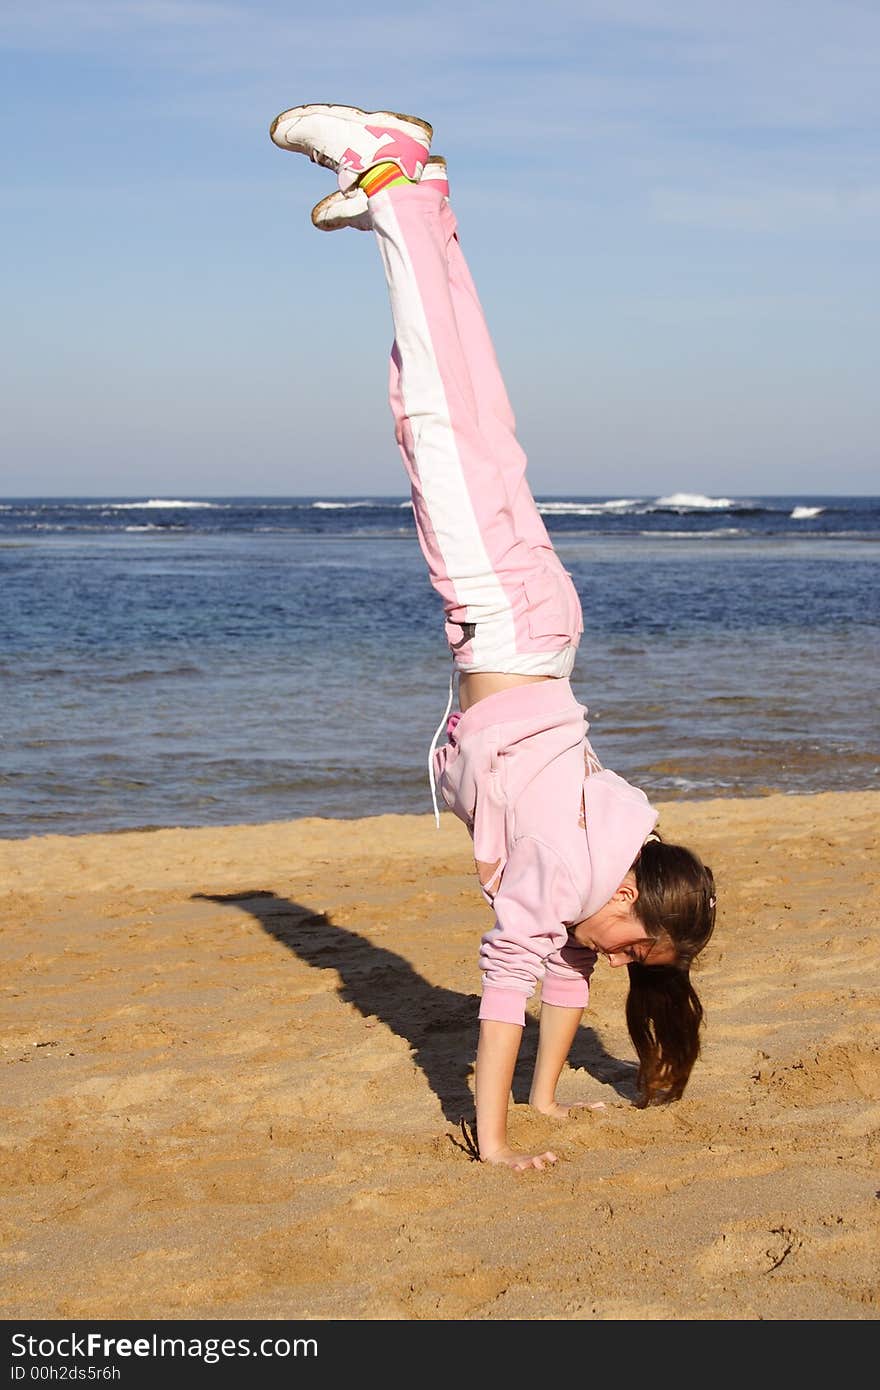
(664, 1015)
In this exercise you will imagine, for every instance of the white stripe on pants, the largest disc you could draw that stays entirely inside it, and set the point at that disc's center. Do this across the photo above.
(487, 549)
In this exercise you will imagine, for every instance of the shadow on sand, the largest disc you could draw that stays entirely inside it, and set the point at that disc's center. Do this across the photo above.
(439, 1025)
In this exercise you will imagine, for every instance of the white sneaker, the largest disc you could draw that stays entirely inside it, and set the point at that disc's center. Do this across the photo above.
(350, 141)
(352, 209)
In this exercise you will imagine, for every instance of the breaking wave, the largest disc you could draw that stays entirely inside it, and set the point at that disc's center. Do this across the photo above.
(696, 502)
(153, 502)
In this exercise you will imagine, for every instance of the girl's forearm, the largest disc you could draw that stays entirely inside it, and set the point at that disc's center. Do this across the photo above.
(497, 1052)
(558, 1027)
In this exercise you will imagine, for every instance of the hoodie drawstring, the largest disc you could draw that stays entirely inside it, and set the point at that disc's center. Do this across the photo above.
(440, 727)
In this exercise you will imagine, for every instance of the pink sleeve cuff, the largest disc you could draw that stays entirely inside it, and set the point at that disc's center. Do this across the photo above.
(503, 1005)
(569, 992)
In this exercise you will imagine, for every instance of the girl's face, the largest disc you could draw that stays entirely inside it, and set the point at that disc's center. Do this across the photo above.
(618, 935)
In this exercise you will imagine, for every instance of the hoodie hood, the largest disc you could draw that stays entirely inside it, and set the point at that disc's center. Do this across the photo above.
(618, 818)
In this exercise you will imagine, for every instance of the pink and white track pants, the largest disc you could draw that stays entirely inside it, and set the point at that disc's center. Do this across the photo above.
(509, 604)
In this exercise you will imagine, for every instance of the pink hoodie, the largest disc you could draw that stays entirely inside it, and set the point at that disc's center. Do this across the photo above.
(554, 834)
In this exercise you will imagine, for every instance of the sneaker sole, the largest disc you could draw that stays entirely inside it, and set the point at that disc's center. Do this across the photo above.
(338, 223)
(348, 111)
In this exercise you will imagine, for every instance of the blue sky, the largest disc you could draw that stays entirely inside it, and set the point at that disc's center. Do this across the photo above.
(671, 211)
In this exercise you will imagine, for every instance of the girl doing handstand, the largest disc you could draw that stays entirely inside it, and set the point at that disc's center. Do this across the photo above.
(566, 851)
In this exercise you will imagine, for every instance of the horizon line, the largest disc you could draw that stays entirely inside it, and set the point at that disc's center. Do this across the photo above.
(370, 496)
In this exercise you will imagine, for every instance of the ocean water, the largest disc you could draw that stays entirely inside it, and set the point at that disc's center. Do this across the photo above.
(203, 661)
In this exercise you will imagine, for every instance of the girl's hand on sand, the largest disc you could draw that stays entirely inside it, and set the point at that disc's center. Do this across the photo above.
(519, 1162)
(557, 1111)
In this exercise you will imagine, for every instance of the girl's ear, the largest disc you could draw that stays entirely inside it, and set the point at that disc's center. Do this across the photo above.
(628, 890)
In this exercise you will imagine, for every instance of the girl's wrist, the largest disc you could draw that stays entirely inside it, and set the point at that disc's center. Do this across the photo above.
(541, 1100)
(491, 1145)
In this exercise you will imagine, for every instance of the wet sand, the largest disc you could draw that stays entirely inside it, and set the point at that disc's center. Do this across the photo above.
(236, 1060)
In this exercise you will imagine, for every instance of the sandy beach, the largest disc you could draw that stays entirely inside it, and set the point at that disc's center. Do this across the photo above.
(236, 1060)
